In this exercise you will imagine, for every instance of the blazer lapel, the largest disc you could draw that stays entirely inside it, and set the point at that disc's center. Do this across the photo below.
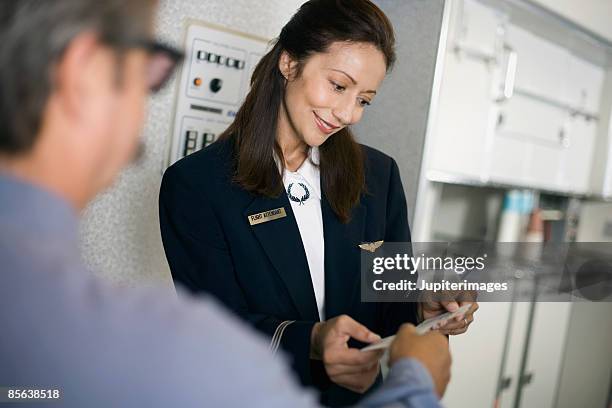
(282, 243)
(342, 257)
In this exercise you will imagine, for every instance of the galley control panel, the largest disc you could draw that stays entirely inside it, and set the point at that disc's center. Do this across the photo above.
(213, 83)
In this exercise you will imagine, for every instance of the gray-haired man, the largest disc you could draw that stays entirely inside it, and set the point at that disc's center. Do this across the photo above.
(74, 77)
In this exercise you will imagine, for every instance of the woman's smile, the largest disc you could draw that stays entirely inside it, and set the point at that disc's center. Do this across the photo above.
(324, 126)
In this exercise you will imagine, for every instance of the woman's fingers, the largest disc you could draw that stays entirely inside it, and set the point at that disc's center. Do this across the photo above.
(469, 314)
(454, 332)
(458, 327)
(357, 382)
(342, 369)
(450, 305)
(473, 308)
(348, 326)
(349, 367)
(351, 356)
(455, 328)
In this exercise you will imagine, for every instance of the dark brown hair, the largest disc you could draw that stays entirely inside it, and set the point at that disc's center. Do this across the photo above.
(315, 26)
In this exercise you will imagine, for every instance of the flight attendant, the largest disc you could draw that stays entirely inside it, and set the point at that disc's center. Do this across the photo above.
(270, 218)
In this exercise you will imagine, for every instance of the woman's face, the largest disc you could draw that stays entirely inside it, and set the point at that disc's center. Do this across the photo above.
(332, 90)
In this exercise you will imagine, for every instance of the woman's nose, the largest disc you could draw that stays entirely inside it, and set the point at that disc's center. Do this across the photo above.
(343, 112)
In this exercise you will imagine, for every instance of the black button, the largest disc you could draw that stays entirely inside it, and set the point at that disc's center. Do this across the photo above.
(216, 84)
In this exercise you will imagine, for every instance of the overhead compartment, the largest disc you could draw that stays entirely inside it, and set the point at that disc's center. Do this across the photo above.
(515, 107)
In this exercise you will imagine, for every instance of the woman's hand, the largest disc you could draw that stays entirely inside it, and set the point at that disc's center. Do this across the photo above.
(453, 300)
(347, 367)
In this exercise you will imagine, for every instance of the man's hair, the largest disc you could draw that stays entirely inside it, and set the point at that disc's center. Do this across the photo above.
(33, 36)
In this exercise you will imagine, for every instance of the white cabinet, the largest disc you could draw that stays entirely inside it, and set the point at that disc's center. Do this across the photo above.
(604, 179)
(601, 176)
(545, 352)
(541, 133)
(575, 172)
(584, 84)
(462, 116)
(559, 84)
(607, 187)
(542, 67)
(477, 357)
(583, 91)
(540, 121)
(527, 143)
(491, 352)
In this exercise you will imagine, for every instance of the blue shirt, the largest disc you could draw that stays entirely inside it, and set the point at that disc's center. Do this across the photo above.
(101, 346)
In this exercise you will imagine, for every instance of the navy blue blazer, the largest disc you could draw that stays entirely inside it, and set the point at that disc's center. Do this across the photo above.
(261, 271)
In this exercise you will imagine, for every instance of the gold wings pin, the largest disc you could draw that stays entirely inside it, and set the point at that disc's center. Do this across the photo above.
(371, 246)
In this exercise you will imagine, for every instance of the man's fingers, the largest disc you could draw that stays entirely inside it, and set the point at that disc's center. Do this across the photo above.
(406, 329)
(405, 332)
(436, 337)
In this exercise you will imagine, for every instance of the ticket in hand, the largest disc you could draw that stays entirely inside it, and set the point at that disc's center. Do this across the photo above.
(427, 325)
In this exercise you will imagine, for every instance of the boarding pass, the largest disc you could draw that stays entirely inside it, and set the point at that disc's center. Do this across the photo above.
(429, 324)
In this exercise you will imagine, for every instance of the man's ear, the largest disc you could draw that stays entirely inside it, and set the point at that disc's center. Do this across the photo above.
(287, 66)
(74, 74)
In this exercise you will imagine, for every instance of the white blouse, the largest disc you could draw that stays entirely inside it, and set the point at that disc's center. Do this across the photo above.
(303, 188)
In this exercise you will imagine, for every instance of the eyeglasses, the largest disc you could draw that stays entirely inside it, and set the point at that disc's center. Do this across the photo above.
(162, 63)
(163, 60)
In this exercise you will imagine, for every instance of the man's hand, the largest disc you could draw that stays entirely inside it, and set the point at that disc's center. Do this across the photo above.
(451, 302)
(347, 367)
(431, 349)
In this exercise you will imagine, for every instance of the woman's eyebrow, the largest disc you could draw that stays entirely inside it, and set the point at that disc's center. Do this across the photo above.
(352, 80)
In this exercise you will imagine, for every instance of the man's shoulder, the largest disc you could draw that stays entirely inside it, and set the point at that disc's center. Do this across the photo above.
(58, 315)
